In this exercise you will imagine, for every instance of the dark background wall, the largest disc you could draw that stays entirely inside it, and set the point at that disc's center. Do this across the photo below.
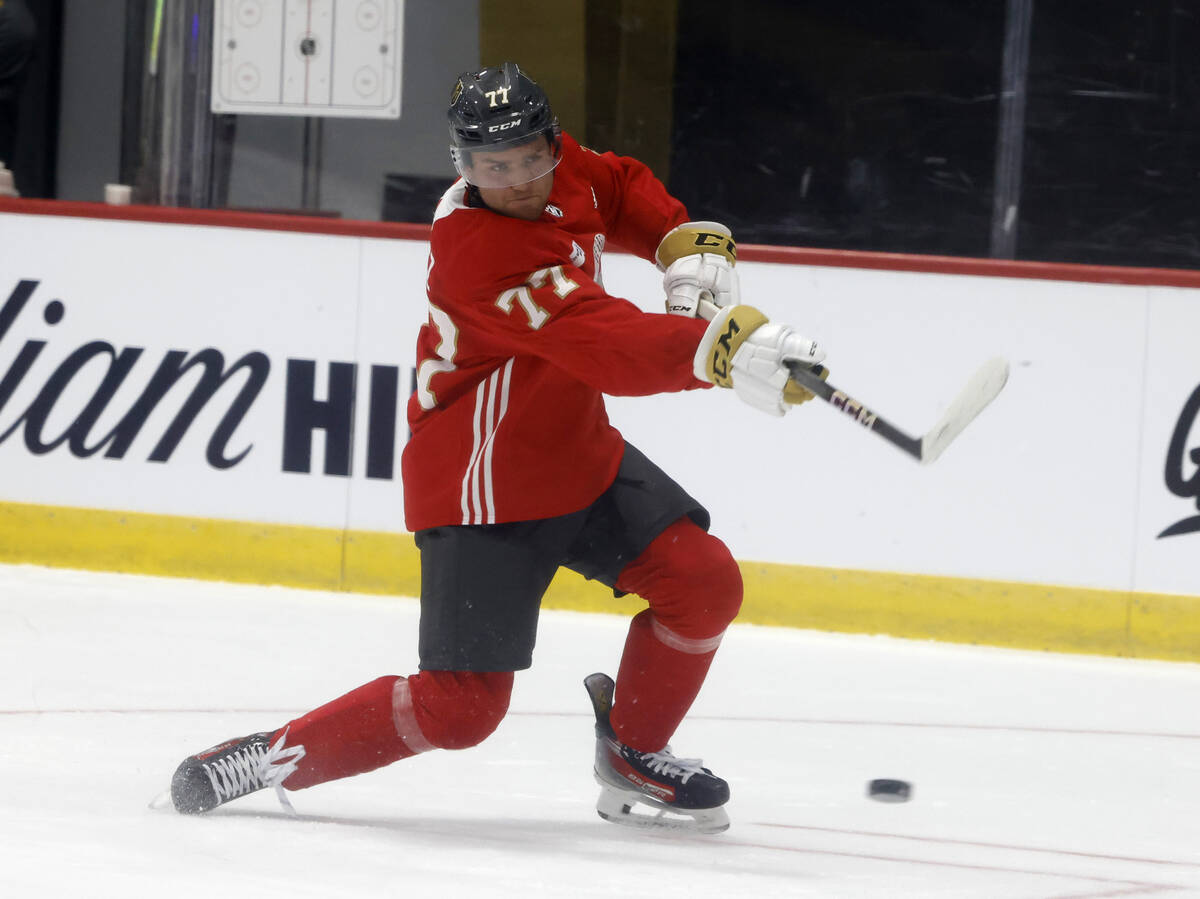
(870, 124)
(1112, 148)
(37, 121)
(873, 125)
(87, 42)
(90, 98)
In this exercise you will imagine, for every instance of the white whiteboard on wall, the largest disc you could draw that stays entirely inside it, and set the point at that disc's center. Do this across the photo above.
(308, 57)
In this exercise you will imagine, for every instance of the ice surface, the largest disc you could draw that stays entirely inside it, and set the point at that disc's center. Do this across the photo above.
(1034, 775)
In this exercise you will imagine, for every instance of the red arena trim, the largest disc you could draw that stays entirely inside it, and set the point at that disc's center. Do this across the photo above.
(861, 259)
(219, 218)
(963, 265)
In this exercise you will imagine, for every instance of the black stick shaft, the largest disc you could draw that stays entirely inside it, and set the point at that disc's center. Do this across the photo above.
(810, 379)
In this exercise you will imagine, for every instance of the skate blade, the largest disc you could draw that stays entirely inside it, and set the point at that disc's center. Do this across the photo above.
(634, 810)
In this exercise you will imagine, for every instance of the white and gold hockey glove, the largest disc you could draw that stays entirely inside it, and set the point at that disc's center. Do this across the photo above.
(743, 350)
(697, 259)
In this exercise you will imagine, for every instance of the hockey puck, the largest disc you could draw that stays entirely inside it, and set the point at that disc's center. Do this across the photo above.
(884, 790)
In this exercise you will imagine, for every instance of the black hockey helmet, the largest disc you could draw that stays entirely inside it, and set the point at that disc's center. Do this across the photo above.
(496, 110)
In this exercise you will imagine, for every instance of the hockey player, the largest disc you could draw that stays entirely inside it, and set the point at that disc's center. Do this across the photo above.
(513, 469)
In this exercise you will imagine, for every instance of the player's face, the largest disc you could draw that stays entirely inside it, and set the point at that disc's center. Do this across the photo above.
(525, 201)
(531, 167)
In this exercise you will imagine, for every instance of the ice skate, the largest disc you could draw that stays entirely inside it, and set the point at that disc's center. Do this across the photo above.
(651, 789)
(234, 768)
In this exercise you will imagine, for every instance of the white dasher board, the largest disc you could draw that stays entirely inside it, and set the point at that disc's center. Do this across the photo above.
(308, 57)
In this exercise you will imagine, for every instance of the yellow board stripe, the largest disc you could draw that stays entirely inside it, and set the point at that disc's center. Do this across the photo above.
(959, 610)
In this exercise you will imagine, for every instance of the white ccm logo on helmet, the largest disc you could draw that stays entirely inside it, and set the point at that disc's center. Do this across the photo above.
(504, 126)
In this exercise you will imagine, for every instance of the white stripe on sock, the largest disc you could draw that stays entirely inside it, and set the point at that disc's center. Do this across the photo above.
(405, 718)
(683, 644)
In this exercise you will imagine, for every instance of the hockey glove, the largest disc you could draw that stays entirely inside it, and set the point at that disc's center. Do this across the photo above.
(697, 259)
(743, 350)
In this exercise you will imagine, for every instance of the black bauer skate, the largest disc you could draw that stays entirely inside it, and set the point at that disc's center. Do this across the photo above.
(234, 768)
(682, 794)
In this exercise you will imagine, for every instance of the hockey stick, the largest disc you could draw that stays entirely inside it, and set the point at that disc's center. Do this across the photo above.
(983, 387)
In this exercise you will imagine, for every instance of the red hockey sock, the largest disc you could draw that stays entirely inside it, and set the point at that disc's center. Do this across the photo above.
(460, 709)
(353, 734)
(656, 686)
(392, 718)
(694, 589)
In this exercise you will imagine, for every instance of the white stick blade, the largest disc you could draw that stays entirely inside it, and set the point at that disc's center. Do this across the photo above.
(984, 386)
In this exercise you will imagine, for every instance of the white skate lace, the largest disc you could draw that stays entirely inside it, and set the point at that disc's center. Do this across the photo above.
(254, 767)
(663, 762)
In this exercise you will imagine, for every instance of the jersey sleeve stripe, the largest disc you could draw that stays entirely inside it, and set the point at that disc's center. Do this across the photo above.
(468, 480)
(487, 461)
(478, 500)
(482, 477)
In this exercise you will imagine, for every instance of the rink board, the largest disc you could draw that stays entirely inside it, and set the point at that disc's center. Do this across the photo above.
(1064, 518)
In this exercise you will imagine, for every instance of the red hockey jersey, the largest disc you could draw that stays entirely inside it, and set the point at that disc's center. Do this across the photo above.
(508, 420)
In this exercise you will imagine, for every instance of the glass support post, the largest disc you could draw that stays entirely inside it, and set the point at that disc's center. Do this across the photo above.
(1010, 132)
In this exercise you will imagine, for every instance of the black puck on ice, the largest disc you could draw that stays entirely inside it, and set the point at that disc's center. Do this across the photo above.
(885, 790)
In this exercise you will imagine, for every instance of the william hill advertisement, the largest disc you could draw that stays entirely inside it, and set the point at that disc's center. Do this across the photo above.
(205, 372)
(189, 382)
(259, 376)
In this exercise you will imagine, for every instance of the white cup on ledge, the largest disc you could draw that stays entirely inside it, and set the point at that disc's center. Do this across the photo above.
(8, 187)
(118, 194)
